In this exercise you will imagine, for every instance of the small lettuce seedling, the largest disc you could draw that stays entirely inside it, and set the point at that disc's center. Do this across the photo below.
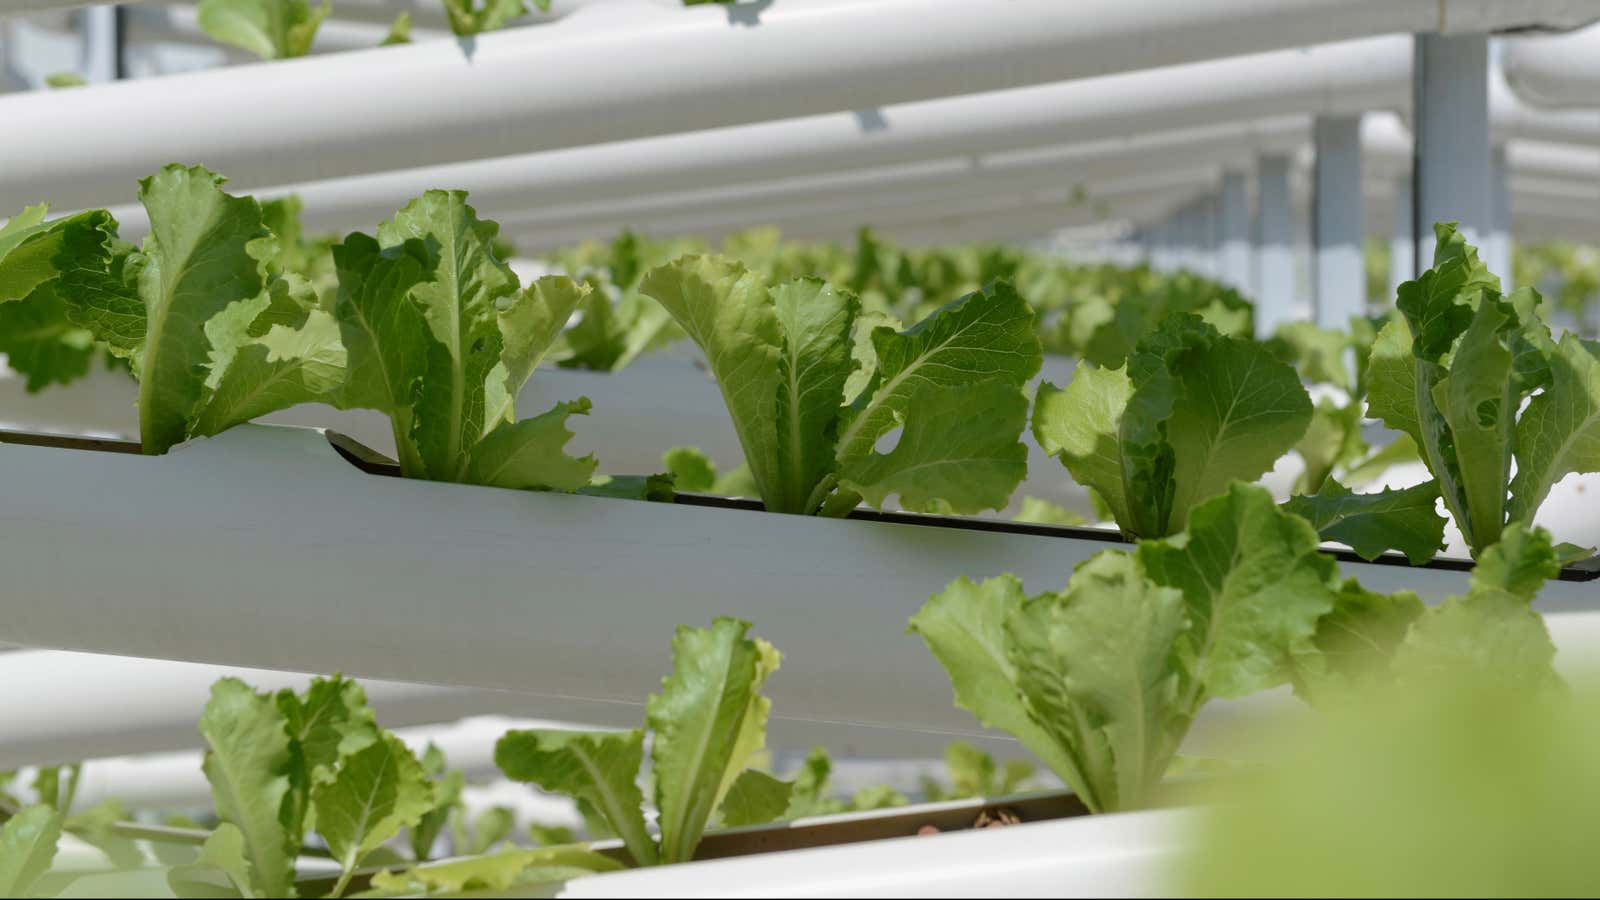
(812, 393)
(707, 724)
(1475, 379)
(1102, 680)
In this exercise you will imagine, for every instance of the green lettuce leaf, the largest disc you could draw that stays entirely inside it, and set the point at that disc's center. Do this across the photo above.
(41, 343)
(220, 870)
(706, 721)
(1255, 587)
(786, 358)
(1192, 411)
(271, 29)
(987, 334)
(1454, 377)
(27, 849)
(1079, 425)
(1355, 644)
(493, 874)
(469, 17)
(958, 452)
(283, 368)
(1560, 432)
(1239, 410)
(377, 792)
(1403, 519)
(728, 311)
(599, 768)
(529, 324)
(460, 303)
(815, 321)
(206, 251)
(755, 798)
(251, 767)
(529, 454)
(965, 628)
(1094, 666)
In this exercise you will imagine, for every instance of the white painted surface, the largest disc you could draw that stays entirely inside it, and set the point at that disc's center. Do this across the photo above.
(1124, 855)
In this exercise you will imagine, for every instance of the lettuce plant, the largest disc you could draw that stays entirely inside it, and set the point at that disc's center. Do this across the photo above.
(1102, 680)
(427, 326)
(1193, 410)
(271, 29)
(1475, 379)
(41, 263)
(812, 392)
(706, 725)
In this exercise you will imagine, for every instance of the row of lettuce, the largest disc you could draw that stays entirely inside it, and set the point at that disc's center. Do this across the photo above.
(227, 313)
(1100, 681)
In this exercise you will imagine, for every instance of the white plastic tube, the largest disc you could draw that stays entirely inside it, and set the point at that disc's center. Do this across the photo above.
(263, 548)
(64, 706)
(1555, 71)
(1344, 78)
(625, 70)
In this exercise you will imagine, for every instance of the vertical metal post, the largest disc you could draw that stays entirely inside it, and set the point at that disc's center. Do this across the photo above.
(1450, 112)
(101, 44)
(1233, 234)
(1336, 221)
(1274, 245)
(1402, 241)
(1206, 220)
(1499, 246)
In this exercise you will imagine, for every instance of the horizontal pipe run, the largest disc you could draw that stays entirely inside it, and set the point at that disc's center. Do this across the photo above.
(311, 565)
(1560, 71)
(665, 71)
(1349, 77)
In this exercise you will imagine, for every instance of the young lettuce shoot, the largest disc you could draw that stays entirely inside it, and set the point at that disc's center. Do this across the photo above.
(812, 395)
(707, 724)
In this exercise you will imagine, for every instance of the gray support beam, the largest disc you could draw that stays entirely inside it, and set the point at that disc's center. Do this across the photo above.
(1336, 221)
(1402, 242)
(1235, 259)
(1499, 244)
(102, 44)
(1275, 233)
(1450, 113)
(1206, 223)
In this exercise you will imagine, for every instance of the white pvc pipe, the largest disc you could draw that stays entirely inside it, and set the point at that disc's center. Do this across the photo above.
(1559, 71)
(950, 179)
(1350, 77)
(536, 89)
(62, 707)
